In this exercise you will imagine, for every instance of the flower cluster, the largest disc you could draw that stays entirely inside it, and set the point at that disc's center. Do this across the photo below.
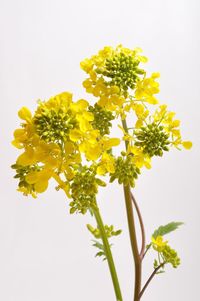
(62, 134)
(165, 253)
(53, 142)
(102, 119)
(125, 171)
(108, 229)
(84, 188)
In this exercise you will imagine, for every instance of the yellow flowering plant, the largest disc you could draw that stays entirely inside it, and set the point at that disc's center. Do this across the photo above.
(71, 142)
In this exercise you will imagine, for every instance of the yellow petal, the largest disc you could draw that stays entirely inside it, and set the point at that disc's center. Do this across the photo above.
(69, 147)
(110, 143)
(41, 186)
(176, 123)
(17, 144)
(152, 100)
(84, 124)
(79, 106)
(155, 75)
(25, 114)
(93, 152)
(101, 170)
(87, 65)
(75, 135)
(88, 116)
(187, 144)
(27, 158)
(32, 177)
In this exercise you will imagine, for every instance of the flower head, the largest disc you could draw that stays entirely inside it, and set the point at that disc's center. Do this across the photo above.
(112, 73)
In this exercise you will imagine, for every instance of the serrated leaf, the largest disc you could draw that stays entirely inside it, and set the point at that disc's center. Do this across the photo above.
(98, 245)
(160, 272)
(163, 230)
(101, 253)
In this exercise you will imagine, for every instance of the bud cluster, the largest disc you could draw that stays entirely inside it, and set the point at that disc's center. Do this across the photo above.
(122, 70)
(102, 119)
(153, 139)
(83, 191)
(171, 256)
(125, 171)
(108, 229)
(21, 173)
(54, 126)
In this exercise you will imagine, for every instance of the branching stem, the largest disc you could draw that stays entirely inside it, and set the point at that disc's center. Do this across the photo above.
(142, 252)
(150, 278)
(133, 239)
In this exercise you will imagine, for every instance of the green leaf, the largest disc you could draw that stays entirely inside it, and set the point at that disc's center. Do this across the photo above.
(162, 230)
(98, 245)
(100, 253)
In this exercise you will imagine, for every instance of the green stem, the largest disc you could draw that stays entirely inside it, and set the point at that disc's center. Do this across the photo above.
(105, 243)
(108, 255)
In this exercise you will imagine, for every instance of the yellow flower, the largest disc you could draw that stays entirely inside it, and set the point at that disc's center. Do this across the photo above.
(39, 179)
(158, 243)
(87, 65)
(94, 149)
(187, 144)
(79, 106)
(25, 114)
(107, 164)
(141, 112)
(140, 159)
(112, 72)
(146, 88)
(27, 158)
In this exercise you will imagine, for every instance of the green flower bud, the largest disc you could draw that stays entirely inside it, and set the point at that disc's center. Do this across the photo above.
(153, 139)
(84, 188)
(125, 171)
(102, 119)
(122, 70)
(171, 256)
(54, 125)
(22, 172)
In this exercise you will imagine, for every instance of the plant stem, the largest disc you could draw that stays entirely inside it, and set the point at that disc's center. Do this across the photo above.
(142, 252)
(132, 231)
(150, 278)
(134, 246)
(108, 255)
(104, 240)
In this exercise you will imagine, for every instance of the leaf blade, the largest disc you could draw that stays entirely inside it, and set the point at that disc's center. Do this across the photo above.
(163, 230)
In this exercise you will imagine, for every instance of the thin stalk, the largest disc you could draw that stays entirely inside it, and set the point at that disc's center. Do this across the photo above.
(134, 245)
(150, 278)
(142, 252)
(104, 240)
(132, 231)
(108, 255)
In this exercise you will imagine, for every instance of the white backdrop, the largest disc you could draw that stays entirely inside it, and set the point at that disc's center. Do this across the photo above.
(46, 254)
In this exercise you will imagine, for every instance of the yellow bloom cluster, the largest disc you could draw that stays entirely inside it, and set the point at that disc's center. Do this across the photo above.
(53, 140)
(62, 133)
(112, 73)
(165, 253)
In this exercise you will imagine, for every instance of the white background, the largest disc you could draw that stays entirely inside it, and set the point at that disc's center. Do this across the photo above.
(46, 254)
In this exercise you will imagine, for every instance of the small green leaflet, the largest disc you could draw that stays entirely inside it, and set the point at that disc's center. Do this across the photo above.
(100, 246)
(162, 230)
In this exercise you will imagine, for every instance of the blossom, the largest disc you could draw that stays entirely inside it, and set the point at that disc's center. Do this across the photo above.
(158, 243)
(147, 88)
(106, 164)
(112, 72)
